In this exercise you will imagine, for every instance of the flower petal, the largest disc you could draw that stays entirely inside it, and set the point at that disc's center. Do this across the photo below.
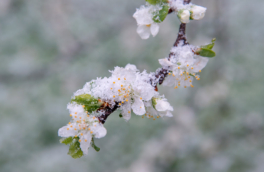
(154, 29)
(143, 31)
(85, 142)
(99, 131)
(138, 107)
(66, 132)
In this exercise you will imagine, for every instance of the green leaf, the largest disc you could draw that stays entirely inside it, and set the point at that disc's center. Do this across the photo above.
(154, 102)
(154, 2)
(74, 149)
(206, 52)
(120, 115)
(90, 103)
(97, 149)
(161, 14)
(66, 141)
(211, 45)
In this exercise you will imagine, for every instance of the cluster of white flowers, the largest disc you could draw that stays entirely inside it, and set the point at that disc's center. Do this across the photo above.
(82, 125)
(183, 65)
(128, 88)
(149, 15)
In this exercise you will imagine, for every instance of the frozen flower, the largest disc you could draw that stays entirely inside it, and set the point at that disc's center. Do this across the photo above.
(163, 107)
(146, 25)
(83, 126)
(158, 107)
(197, 12)
(183, 66)
(184, 16)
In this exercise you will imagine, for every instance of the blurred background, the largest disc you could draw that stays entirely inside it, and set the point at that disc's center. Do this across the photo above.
(49, 49)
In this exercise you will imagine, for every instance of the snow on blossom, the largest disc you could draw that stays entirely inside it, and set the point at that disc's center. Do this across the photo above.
(197, 12)
(184, 66)
(158, 107)
(83, 125)
(146, 25)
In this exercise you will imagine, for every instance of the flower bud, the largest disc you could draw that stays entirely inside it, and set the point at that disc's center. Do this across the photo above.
(197, 12)
(184, 16)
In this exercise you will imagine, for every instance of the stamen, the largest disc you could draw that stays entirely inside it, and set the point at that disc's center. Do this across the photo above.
(79, 140)
(119, 79)
(70, 114)
(200, 71)
(85, 140)
(75, 113)
(67, 128)
(113, 82)
(175, 87)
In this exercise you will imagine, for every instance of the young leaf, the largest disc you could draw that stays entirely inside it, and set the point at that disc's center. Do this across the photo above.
(161, 14)
(67, 140)
(154, 102)
(74, 149)
(211, 45)
(97, 149)
(206, 52)
(90, 103)
(154, 2)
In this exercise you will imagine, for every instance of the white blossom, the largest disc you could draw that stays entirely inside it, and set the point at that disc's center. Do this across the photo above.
(197, 12)
(146, 25)
(158, 107)
(83, 126)
(184, 66)
(184, 16)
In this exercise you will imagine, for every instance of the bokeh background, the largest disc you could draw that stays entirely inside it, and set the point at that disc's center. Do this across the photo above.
(49, 49)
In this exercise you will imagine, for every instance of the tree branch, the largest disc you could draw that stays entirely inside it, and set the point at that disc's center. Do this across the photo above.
(160, 74)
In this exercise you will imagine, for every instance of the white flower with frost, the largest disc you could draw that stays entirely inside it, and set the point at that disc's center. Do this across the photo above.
(83, 126)
(184, 16)
(146, 25)
(197, 12)
(183, 66)
(163, 107)
(158, 107)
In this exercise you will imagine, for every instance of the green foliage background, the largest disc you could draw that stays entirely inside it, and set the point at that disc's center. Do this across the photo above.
(49, 49)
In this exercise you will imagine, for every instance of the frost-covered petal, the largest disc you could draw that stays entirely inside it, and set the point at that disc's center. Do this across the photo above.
(126, 111)
(154, 29)
(85, 142)
(99, 130)
(131, 67)
(169, 81)
(143, 15)
(197, 12)
(165, 62)
(163, 105)
(143, 31)
(138, 107)
(67, 131)
(200, 63)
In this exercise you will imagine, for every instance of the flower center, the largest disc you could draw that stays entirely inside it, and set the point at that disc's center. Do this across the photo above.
(148, 25)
